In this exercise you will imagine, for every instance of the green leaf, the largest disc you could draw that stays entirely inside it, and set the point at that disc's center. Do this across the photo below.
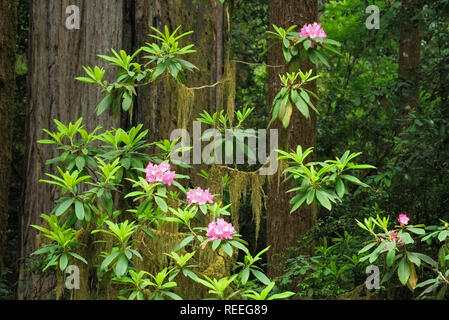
(323, 199)
(426, 259)
(226, 248)
(443, 235)
(77, 256)
(300, 104)
(122, 266)
(353, 180)
(310, 196)
(390, 257)
(307, 44)
(261, 276)
(161, 203)
(80, 162)
(339, 187)
(160, 68)
(416, 230)
(104, 104)
(282, 295)
(239, 246)
(215, 244)
(287, 54)
(403, 271)
(63, 261)
(106, 262)
(127, 102)
(184, 242)
(367, 247)
(79, 210)
(414, 258)
(244, 275)
(63, 206)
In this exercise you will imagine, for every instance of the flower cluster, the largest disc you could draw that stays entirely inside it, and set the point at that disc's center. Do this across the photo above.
(159, 173)
(199, 196)
(393, 237)
(403, 219)
(220, 229)
(313, 31)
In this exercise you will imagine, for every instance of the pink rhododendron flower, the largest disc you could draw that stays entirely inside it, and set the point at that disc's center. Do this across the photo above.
(159, 173)
(220, 229)
(313, 31)
(403, 219)
(393, 238)
(199, 196)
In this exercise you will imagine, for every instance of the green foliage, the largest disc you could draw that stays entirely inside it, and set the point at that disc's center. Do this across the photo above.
(324, 185)
(291, 45)
(293, 94)
(396, 246)
(61, 249)
(162, 57)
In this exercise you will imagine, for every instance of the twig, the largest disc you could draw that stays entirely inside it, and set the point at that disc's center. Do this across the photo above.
(208, 85)
(260, 64)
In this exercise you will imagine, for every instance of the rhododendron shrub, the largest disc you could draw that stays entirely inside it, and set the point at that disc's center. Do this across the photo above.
(85, 204)
(395, 249)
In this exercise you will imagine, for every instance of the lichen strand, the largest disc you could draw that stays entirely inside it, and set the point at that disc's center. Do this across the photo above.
(185, 98)
(282, 165)
(258, 200)
(227, 88)
(239, 184)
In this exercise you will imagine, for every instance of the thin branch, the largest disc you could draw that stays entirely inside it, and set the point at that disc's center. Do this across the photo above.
(260, 64)
(208, 85)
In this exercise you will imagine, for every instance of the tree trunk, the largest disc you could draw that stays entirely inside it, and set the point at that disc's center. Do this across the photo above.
(56, 56)
(409, 57)
(283, 228)
(157, 106)
(8, 22)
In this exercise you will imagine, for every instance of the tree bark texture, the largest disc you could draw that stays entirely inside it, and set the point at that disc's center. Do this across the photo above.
(8, 23)
(283, 228)
(56, 57)
(409, 56)
(157, 106)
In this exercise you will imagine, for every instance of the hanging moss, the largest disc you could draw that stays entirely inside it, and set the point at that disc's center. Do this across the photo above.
(185, 98)
(229, 84)
(258, 199)
(239, 184)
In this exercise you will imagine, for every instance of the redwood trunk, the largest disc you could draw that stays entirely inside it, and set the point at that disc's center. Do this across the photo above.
(283, 228)
(157, 105)
(8, 21)
(56, 56)
(409, 57)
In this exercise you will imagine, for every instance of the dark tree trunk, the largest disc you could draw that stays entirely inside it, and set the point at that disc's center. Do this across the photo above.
(56, 56)
(283, 228)
(157, 106)
(409, 57)
(8, 22)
